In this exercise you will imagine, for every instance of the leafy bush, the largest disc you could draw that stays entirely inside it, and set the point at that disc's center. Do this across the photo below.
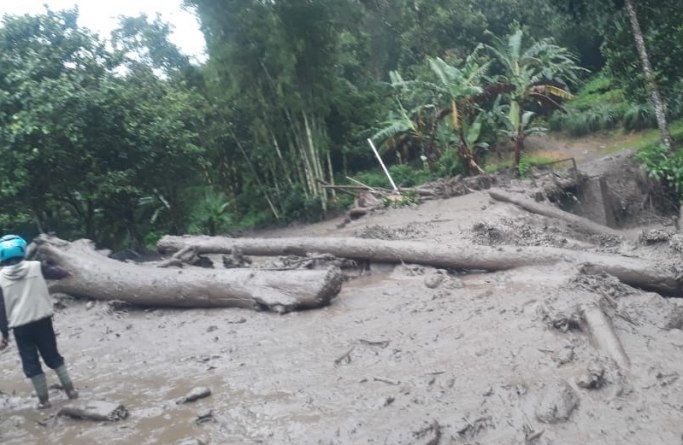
(408, 198)
(404, 175)
(448, 165)
(582, 122)
(297, 207)
(663, 166)
(210, 214)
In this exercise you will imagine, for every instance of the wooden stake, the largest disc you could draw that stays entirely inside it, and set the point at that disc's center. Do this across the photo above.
(379, 158)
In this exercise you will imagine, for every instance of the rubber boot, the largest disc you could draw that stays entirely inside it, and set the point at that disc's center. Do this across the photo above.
(66, 382)
(40, 385)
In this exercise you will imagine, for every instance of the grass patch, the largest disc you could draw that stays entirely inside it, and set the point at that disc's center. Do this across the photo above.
(537, 158)
(599, 91)
(618, 140)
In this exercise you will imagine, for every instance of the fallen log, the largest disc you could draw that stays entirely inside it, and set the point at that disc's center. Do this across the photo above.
(631, 271)
(95, 276)
(603, 334)
(574, 221)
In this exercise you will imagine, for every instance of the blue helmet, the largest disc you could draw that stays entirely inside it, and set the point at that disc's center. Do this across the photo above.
(12, 246)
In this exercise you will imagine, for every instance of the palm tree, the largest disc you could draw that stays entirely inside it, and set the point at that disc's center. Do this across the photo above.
(537, 74)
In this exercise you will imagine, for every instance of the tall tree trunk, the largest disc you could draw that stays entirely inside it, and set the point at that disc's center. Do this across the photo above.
(519, 147)
(519, 137)
(469, 164)
(660, 109)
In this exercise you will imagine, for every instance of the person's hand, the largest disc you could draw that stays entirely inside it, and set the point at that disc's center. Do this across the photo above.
(3, 342)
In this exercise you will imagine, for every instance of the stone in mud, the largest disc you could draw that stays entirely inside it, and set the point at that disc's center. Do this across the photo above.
(453, 283)
(591, 378)
(434, 280)
(204, 417)
(557, 403)
(200, 392)
(564, 356)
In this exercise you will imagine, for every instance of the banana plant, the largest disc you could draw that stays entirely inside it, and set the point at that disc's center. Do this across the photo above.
(537, 75)
(401, 128)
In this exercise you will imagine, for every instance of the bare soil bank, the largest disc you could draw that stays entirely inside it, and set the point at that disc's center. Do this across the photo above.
(405, 355)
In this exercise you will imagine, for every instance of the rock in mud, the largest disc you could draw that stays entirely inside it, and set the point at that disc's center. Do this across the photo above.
(434, 280)
(557, 403)
(591, 378)
(564, 356)
(200, 392)
(204, 417)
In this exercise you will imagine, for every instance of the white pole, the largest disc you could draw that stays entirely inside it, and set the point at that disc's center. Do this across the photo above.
(383, 167)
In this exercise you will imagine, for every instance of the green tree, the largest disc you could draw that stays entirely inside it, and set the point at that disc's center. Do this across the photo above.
(537, 73)
(85, 145)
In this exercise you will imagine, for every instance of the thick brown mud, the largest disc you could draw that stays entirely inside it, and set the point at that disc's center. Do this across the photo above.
(404, 355)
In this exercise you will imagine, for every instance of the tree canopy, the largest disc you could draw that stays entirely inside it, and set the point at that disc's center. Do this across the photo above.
(122, 138)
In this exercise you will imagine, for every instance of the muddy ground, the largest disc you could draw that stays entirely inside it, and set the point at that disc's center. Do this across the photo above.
(404, 355)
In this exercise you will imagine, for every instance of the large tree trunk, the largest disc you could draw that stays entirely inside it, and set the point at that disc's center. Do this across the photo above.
(657, 102)
(96, 276)
(576, 222)
(631, 271)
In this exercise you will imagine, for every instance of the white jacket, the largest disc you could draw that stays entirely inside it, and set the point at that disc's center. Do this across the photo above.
(27, 298)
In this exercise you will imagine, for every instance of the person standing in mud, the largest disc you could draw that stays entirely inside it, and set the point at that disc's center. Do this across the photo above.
(26, 308)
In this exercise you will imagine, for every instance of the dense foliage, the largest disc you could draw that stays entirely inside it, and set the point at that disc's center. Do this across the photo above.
(122, 140)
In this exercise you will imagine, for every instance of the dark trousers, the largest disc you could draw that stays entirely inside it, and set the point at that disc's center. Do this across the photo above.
(34, 338)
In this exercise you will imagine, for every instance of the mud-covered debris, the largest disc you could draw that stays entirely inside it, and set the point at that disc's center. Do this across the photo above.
(378, 232)
(655, 236)
(676, 243)
(469, 429)
(523, 233)
(564, 355)
(204, 417)
(675, 318)
(565, 320)
(116, 306)
(434, 280)
(557, 403)
(667, 378)
(591, 378)
(95, 411)
(422, 433)
(190, 441)
(236, 320)
(606, 241)
(602, 284)
(200, 392)
(430, 435)
(411, 230)
(311, 261)
(237, 259)
(453, 283)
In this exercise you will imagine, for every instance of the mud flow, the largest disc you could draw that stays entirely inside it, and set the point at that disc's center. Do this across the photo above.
(404, 355)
